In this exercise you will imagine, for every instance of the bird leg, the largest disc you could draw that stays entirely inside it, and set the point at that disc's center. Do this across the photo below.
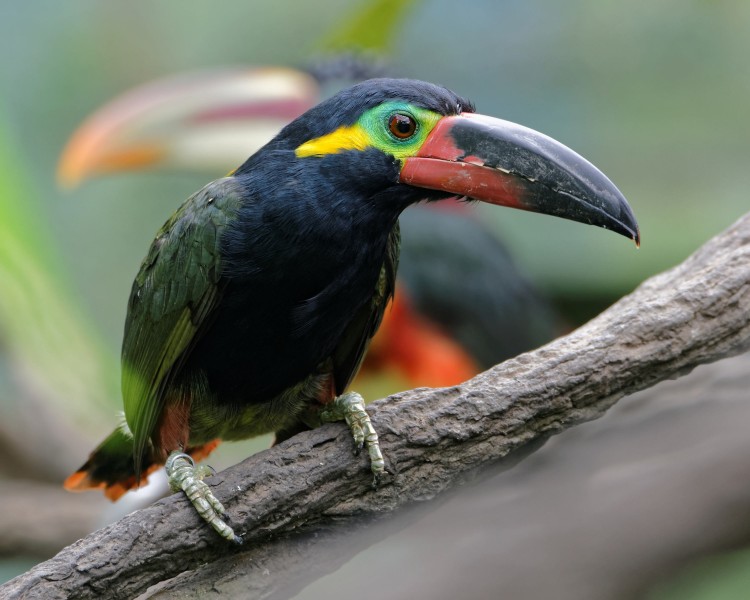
(350, 407)
(184, 475)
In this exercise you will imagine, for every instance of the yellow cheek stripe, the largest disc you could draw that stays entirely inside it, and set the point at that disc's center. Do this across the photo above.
(348, 137)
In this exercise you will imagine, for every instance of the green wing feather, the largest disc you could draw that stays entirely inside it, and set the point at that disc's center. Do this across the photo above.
(177, 288)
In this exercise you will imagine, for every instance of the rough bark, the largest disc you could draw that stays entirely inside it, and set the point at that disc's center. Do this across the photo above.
(607, 510)
(433, 440)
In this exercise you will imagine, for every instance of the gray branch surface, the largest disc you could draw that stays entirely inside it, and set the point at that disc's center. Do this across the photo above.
(291, 499)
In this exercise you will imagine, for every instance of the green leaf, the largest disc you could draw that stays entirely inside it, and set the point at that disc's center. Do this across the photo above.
(371, 28)
(43, 333)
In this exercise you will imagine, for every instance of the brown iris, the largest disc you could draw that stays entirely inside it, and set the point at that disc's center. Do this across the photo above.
(402, 126)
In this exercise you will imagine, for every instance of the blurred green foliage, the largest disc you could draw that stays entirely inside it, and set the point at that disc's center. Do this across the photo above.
(370, 29)
(724, 577)
(42, 328)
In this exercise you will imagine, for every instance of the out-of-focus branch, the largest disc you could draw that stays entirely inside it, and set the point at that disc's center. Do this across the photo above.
(38, 518)
(434, 439)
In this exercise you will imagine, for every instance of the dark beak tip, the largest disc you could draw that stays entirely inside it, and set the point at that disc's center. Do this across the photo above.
(629, 223)
(629, 228)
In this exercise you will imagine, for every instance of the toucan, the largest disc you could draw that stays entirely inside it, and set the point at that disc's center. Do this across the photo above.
(462, 302)
(258, 298)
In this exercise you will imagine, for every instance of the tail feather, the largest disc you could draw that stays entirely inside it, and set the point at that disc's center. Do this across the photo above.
(111, 467)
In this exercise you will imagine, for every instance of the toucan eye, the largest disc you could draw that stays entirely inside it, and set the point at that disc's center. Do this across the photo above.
(402, 126)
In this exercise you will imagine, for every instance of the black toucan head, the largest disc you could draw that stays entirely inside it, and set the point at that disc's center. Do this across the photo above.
(411, 140)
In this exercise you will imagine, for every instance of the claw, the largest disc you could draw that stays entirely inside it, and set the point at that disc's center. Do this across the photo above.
(184, 475)
(351, 408)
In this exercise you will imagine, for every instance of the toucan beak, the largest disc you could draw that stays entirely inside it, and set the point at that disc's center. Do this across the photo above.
(507, 164)
(206, 121)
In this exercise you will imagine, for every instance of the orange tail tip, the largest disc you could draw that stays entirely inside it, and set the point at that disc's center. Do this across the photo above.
(115, 477)
(81, 481)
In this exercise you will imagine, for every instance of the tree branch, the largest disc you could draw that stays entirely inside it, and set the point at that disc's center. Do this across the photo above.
(605, 510)
(433, 440)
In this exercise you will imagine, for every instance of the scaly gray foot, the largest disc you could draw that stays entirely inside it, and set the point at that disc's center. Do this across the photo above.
(350, 407)
(184, 475)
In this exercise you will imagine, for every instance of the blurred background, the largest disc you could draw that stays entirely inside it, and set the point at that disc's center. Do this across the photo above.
(655, 94)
